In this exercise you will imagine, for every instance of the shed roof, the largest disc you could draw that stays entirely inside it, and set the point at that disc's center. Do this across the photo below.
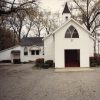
(29, 41)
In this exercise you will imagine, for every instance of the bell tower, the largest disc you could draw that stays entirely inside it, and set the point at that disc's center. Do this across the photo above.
(66, 13)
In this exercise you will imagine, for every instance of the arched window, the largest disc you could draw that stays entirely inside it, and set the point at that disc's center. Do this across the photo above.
(25, 51)
(68, 33)
(71, 33)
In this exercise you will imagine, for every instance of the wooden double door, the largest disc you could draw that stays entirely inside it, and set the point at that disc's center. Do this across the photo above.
(72, 58)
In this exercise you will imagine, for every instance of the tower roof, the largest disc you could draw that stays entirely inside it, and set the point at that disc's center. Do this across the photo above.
(66, 9)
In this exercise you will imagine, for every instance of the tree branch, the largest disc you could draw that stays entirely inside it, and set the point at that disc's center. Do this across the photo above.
(94, 18)
(79, 6)
(14, 9)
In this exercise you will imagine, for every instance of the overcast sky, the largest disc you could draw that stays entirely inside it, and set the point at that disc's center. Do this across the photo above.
(53, 5)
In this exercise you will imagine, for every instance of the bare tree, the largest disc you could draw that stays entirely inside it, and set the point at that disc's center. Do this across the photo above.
(28, 18)
(89, 10)
(16, 19)
(13, 14)
(89, 14)
(12, 6)
(51, 21)
(36, 17)
(16, 23)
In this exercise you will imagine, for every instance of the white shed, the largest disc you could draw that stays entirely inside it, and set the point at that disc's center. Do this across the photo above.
(30, 49)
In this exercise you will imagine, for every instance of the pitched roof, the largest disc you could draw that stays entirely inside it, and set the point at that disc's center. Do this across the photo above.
(10, 48)
(29, 41)
(71, 19)
(66, 9)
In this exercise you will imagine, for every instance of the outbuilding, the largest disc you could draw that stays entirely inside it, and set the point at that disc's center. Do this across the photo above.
(29, 49)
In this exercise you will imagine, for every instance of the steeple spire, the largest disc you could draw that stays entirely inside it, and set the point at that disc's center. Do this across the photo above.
(66, 9)
(66, 12)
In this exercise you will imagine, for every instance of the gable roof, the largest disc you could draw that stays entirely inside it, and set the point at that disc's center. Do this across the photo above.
(66, 9)
(29, 41)
(71, 19)
(10, 48)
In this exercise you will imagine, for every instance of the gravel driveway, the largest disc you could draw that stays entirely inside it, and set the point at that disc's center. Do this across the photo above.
(21, 82)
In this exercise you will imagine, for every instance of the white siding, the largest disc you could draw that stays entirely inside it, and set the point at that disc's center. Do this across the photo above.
(84, 43)
(6, 54)
(29, 57)
(54, 48)
(49, 48)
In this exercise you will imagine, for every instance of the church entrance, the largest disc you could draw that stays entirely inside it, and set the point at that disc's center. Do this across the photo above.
(72, 58)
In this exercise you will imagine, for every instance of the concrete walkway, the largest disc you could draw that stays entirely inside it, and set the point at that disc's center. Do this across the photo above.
(71, 69)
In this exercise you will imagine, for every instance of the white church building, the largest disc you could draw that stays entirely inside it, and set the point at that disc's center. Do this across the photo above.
(71, 45)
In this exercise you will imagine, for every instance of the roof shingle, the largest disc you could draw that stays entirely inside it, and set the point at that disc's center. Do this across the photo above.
(29, 41)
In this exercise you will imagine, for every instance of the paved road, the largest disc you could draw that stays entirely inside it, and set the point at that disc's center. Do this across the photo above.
(21, 82)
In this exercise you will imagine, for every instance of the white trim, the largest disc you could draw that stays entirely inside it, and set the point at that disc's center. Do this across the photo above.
(9, 48)
(71, 19)
(36, 48)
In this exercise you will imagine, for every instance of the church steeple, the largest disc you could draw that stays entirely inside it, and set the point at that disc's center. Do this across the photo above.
(66, 9)
(66, 12)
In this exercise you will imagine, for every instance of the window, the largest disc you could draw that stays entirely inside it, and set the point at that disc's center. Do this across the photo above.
(37, 52)
(68, 34)
(33, 52)
(25, 51)
(75, 34)
(71, 33)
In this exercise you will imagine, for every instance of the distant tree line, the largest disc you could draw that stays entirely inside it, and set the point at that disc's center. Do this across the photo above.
(7, 38)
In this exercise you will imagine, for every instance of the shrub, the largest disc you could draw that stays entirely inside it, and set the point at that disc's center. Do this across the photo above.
(50, 63)
(5, 61)
(93, 65)
(95, 61)
(92, 61)
(45, 66)
(24, 62)
(39, 61)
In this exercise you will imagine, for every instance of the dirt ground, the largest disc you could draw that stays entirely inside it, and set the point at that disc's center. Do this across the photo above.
(22, 82)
